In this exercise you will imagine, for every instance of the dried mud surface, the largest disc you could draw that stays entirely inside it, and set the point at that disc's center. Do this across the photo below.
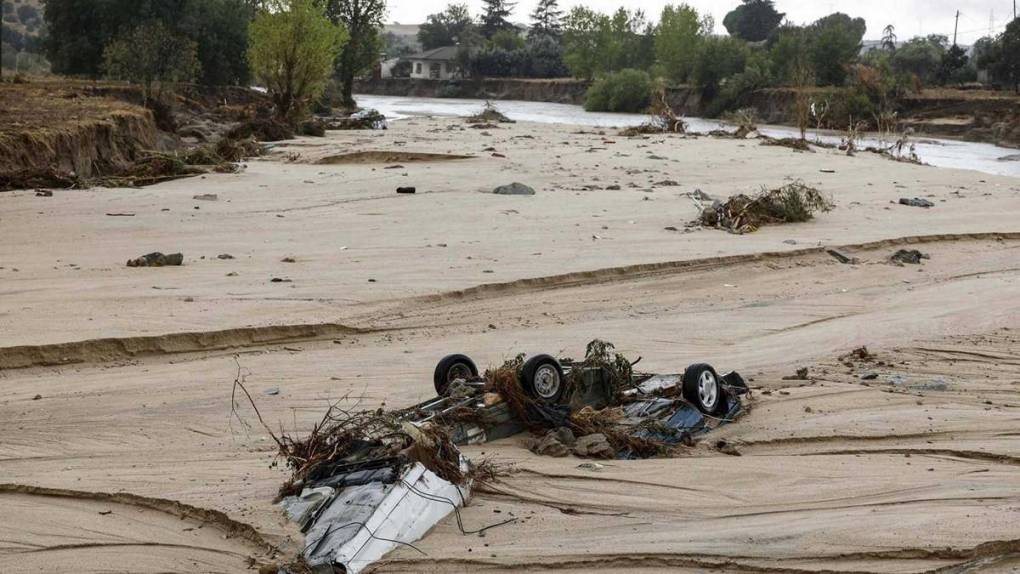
(905, 462)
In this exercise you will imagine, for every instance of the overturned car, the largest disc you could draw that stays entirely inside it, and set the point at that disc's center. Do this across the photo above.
(368, 482)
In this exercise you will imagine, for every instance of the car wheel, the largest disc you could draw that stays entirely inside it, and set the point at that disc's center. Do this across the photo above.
(542, 378)
(451, 368)
(702, 389)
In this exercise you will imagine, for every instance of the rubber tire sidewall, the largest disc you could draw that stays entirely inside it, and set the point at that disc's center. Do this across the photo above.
(690, 389)
(440, 378)
(528, 378)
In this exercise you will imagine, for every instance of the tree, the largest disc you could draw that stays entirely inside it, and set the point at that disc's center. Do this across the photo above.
(889, 38)
(545, 57)
(292, 50)
(921, 57)
(447, 28)
(80, 30)
(953, 67)
(790, 52)
(546, 20)
(753, 20)
(1002, 57)
(678, 39)
(595, 43)
(836, 43)
(581, 41)
(717, 60)
(507, 40)
(628, 90)
(496, 16)
(220, 31)
(149, 54)
(363, 21)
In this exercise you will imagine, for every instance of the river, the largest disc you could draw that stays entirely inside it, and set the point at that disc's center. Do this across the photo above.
(936, 152)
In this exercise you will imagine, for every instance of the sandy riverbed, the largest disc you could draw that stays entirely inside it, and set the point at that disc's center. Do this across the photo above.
(836, 473)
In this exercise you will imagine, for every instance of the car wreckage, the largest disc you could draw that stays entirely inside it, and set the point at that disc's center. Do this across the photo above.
(387, 478)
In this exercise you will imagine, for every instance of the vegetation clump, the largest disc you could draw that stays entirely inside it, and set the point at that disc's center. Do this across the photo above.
(628, 90)
(791, 203)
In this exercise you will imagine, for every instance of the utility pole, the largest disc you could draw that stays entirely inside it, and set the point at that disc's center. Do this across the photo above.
(956, 27)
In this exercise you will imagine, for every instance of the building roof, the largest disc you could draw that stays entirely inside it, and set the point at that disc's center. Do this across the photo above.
(444, 54)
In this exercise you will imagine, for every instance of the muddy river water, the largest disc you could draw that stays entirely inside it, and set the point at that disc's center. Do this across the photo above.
(936, 152)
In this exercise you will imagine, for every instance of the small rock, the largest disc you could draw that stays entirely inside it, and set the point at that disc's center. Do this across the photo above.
(666, 183)
(288, 260)
(224, 256)
(869, 376)
(514, 189)
(271, 391)
(550, 446)
(592, 466)
(916, 202)
(613, 188)
(157, 259)
(43, 193)
(407, 190)
(595, 446)
(37, 397)
(206, 197)
(909, 256)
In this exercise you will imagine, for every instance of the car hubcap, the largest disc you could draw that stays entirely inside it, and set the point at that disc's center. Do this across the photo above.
(458, 371)
(547, 381)
(708, 390)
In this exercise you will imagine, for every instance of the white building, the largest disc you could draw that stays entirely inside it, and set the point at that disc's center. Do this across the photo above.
(438, 64)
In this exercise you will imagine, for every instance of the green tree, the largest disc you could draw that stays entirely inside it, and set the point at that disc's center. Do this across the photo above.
(677, 41)
(292, 50)
(447, 28)
(1001, 57)
(836, 43)
(920, 57)
(220, 31)
(717, 60)
(363, 20)
(80, 30)
(582, 31)
(507, 40)
(953, 67)
(151, 55)
(790, 53)
(753, 20)
(547, 19)
(496, 16)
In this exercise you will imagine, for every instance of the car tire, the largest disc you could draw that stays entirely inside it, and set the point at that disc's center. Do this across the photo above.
(450, 368)
(702, 388)
(543, 380)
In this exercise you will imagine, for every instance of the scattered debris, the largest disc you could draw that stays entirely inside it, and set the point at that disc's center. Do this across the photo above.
(908, 256)
(794, 202)
(366, 119)
(206, 197)
(514, 189)
(262, 129)
(224, 256)
(405, 190)
(43, 193)
(842, 258)
(792, 143)
(157, 259)
(801, 375)
(916, 202)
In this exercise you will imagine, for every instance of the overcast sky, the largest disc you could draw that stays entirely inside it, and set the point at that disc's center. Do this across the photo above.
(911, 17)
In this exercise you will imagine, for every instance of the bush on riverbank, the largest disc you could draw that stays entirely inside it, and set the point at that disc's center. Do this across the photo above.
(628, 90)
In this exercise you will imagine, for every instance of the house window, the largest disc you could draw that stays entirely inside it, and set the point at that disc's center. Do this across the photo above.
(417, 68)
(434, 71)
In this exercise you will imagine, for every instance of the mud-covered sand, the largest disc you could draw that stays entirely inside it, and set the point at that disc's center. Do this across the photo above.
(917, 469)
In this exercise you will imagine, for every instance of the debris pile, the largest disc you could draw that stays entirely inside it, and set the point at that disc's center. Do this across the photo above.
(792, 203)
(489, 115)
(663, 120)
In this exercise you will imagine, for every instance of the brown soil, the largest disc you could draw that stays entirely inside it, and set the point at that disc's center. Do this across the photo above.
(50, 129)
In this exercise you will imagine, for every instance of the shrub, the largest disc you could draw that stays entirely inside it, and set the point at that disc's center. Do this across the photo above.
(628, 90)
